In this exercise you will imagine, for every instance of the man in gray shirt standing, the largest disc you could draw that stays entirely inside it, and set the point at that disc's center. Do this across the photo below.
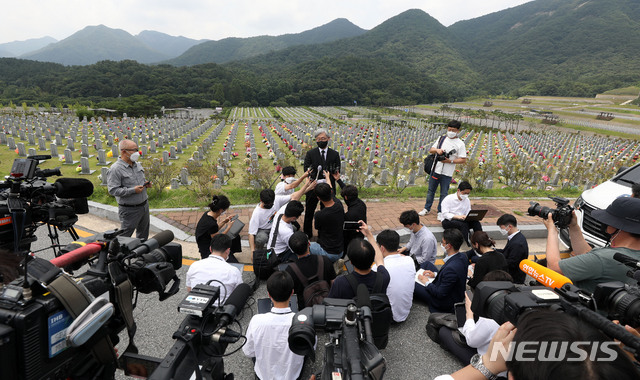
(126, 182)
(422, 244)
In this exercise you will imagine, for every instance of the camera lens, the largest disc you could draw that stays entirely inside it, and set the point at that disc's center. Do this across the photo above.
(302, 337)
(536, 210)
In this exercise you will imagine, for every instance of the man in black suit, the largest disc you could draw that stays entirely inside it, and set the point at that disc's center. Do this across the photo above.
(328, 160)
(517, 248)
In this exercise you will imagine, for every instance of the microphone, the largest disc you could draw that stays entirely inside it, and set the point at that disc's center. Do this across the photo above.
(76, 255)
(234, 304)
(544, 275)
(318, 172)
(363, 299)
(157, 241)
(626, 260)
(73, 187)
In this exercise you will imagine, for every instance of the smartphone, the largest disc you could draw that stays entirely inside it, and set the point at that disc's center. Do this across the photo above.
(351, 226)
(234, 218)
(147, 183)
(461, 313)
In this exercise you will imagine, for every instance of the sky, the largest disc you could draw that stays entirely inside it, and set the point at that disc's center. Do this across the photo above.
(214, 19)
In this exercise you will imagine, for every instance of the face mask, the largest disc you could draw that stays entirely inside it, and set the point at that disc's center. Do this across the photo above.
(504, 232)
(451, 134)
(322, 144)
(443, 248)
(134, 157)
(611, 237)
(464, 196)
(289, 180)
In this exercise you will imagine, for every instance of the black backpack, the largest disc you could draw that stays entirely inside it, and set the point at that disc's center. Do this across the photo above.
(380, 310)
(316, 288)
(430, 160)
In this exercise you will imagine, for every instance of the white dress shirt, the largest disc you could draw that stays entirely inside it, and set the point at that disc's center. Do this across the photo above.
(262, 218)
(402, 271)
(451, 206)
(267, 341)
(214, 268)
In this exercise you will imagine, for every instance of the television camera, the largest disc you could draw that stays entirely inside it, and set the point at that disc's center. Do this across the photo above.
(351, 351)
(27, 201)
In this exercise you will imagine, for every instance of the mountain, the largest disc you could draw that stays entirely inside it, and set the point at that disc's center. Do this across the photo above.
(546, 45)
(170, 46)
(96, 43)
(17, 48)
(233, 49)
(412, 39)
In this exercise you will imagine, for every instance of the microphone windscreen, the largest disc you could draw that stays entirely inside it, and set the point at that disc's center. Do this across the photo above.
(543, 275)
(239, 296)
(163, 237)
(626, 260)
(362, 296)
(73, 187)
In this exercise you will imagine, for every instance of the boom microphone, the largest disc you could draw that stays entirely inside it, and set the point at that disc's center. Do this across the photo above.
(73, 187)
(157, 241)
(77, 255)
(544, 275)
(363, 298)
(235, 302)
(626, 260)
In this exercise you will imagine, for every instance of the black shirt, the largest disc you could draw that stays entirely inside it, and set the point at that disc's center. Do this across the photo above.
(342, 289)
(309, 267)
(329, 222)
(356, 210)
(486, 263)
(206, 227)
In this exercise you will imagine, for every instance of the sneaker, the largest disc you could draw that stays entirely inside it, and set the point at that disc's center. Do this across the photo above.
(423, 212)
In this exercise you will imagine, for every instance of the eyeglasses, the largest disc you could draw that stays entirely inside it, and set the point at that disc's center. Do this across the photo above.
(130, 150)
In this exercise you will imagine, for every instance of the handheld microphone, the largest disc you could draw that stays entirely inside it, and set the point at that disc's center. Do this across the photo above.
(626, 260)
(234, 304)
(544, 275)
(363, 299)
(318, 172)
(76, 255)
(73, 187)
(157, 241)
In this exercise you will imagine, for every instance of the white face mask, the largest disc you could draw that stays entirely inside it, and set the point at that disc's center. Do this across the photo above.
(443, 248)
(289, 180)
(504, 232)
(134, 157)
(451, 134)
(464, 196)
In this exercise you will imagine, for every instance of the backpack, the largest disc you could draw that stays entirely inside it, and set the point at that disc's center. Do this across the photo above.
(381, 313)
(316, 288)
(265, 261)
(430, 160)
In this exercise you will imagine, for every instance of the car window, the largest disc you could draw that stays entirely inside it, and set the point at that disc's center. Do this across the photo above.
(630, 177)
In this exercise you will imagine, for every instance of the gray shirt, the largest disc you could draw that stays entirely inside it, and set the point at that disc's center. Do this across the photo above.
(423, 245)
(122, 180)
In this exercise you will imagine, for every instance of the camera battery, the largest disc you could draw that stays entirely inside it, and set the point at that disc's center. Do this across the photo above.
(199, 300)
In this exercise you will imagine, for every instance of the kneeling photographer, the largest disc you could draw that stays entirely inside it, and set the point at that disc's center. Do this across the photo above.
(589, 267)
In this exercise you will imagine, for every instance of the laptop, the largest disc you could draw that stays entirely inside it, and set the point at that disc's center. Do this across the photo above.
(265, 304)
(475, 215)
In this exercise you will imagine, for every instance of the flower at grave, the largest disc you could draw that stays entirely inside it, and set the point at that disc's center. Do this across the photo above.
(342, 157)
(259, 155)
(367, 149)
(375, 162)
(235, 154)
(348, 148)
(79, 169)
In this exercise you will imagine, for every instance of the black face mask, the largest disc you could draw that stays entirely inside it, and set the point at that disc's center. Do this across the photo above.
(322, 144)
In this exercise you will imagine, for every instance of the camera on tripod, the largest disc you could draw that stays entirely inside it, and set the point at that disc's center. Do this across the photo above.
(351, 350)
(561, 216)
(28, 201)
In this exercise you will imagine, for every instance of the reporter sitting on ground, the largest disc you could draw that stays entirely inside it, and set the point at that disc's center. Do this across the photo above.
(329, 222)
(455, 208)
(267, 334)
(422, 246)
(402, 272)
(362, 254)
(356, 209)
(546, 325)
(308, 265)
(215, 267)
(208, 226)
(292, 212)
(489, 261)
(590, 267)
(477, 334)
(448, 286)
(517, 247)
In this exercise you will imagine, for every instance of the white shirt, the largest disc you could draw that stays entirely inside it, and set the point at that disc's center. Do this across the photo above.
(284, 233)
(447, 145)
(512, 235)
(267, 341)
(402, 271)
(280, 187)
(262, 218)
(478, 335)
(451, 206)
(214, 268)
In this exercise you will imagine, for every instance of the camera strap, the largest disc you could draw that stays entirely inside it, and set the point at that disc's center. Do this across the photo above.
(75, 300)
(123, 290)
(435, 162)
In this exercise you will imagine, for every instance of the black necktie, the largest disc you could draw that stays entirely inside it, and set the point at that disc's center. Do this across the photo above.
(323, 158)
